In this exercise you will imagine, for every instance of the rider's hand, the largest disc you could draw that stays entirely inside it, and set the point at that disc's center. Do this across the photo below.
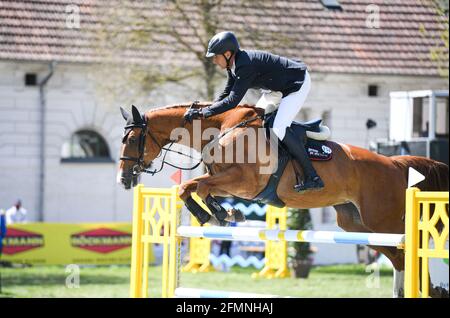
(192, 114)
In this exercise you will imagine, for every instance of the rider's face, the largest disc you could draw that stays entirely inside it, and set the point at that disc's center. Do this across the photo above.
(221, 61)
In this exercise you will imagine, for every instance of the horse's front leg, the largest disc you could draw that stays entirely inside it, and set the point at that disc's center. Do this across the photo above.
(217, 184)
(206, 187)
(185, 193)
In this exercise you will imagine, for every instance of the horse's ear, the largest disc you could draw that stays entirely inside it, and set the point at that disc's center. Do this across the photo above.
(125, 114)
(137, 117)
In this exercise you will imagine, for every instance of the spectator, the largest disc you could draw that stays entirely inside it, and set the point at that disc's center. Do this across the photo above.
(2, 229)
(16, 214)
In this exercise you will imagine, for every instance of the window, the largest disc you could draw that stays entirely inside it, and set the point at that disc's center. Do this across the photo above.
(372, 90)
(85, 146)
(420, 125)
(30, 79)
(421, 109)
(442, 117)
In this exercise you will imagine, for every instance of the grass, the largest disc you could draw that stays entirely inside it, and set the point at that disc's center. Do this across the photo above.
(113, 281)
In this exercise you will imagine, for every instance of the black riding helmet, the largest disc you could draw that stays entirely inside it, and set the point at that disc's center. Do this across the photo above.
(222, 42)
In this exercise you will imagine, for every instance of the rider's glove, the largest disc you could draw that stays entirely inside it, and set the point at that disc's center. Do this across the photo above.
(206, 112)
(192, 114)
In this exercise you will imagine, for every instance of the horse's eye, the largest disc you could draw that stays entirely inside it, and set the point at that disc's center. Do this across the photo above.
(132, 140)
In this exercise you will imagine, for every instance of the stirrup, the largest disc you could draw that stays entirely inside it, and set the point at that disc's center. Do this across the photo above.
(314, 184)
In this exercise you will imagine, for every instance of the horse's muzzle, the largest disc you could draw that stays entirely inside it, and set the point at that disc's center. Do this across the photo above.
(128, 180)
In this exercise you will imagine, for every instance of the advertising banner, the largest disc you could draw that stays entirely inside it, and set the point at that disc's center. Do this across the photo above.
(56, 243)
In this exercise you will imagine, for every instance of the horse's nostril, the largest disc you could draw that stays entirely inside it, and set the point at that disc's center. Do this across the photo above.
(127, 185)
(126, 182)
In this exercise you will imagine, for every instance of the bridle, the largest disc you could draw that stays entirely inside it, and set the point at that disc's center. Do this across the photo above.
(139, 164)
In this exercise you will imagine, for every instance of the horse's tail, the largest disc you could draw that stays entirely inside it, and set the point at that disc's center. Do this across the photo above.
(435, 172)
(436, 179)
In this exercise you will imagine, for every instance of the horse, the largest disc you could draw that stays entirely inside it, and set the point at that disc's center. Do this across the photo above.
(366, 189)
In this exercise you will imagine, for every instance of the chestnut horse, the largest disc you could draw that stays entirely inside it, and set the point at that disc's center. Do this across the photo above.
(366, 189)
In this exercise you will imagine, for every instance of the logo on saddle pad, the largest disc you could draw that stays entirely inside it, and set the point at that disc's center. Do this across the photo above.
(326, 149)
(101, 240)
(18, 241)
(318, 150)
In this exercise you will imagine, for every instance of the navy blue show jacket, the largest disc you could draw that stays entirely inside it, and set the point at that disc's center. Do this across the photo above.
(260, 70)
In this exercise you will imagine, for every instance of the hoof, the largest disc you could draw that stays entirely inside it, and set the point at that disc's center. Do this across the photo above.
(235, 215)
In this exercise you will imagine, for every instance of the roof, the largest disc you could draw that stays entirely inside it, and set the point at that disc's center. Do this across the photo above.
(327, 40)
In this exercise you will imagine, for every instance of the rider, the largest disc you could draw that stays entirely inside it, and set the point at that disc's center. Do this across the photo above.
(257, 69)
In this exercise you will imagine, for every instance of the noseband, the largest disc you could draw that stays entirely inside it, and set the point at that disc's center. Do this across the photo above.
(139, 165)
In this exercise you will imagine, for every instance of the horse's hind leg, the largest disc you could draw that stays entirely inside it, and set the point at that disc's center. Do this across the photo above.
(386, 216)
(348, 218)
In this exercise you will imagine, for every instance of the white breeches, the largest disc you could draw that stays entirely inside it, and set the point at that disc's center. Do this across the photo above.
(289, 108)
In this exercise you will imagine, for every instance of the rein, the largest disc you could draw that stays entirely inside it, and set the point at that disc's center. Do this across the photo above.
(241, 124)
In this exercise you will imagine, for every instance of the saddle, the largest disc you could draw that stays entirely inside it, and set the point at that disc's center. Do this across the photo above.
(317, 136)
(317, 148)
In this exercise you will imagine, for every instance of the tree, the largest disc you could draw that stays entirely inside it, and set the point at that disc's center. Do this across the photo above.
(174, 35)
(300, 252)
(439, 53)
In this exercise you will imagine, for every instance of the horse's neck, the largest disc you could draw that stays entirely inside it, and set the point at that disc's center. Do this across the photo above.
(170, 124)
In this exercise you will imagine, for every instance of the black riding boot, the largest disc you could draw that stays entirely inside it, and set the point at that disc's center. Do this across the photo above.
(296, 147)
